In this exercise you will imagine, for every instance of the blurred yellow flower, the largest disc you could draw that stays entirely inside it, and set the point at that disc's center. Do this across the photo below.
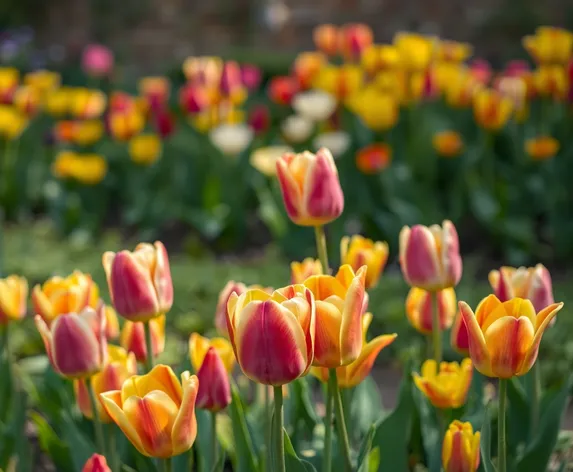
(542, 148)
(453, 51)
(550, 45)
(378, 57)
(57, 102)
(124, 124)
(392, 82)
(551, 81)
(265, 159)
(87, 103)
(9, 78)
(459, 87)
(415, 50)
(340, 81)
(87, 132)
(27, 99)
(448, 143)
(12, 122)
(379, 111)
(43, 80)
(88, 169)
(145, 149)
(491, 109)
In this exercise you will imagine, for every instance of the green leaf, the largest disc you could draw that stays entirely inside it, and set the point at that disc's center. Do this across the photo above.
(51, 444)
(245, 460)
(371, 462)
(538, 452)
(365, 448)
(518, 414)
(431, 430)
(203, 444)
(365, 408)
(81, 447)
(486, 442)
(292, 461)
(300, 416)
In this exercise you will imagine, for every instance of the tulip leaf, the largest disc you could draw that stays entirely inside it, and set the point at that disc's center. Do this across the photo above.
(432, 430)
(365, 407)
(81, 448)
(365, 449)
(539, 450)
(300, 416)
(371, 462)
(204, 444)
(58, 451)
(292, 461)
(485, 441)
(245, 460)
(518, 415)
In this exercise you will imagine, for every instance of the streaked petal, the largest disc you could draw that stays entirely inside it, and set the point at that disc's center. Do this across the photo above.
(162, 278)
(351, 324)
(185, 427)
(327, 338)
(477, 345)
(161, 378)
(358, 370)
(292, 195)
(114, 407)
(215, 391)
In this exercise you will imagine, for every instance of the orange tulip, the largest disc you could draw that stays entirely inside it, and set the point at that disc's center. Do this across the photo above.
(300, 271)
(282, 89)
(551, 81)
(350, 375)
(448, 143)
(340, 303)
(58, 296)
(504, 337)
(373, 158)
(132, 337)
(125, 124)
(13, 296)
(204, 70)
(430, 256)
(353, 39)
(96, 463)
(420, 307)
(460, 449)
(155, 90)
(140, 281)
(459, 336)
(310, 187)
(120, 366)
(273, 334)
(542, 148)
(86, 103)
(326, 39)
(75, 343)
(306, 66)
(221, 310)
(156, 412)
(448, 386)
(27, 99)
(492, 110)
(359, 251)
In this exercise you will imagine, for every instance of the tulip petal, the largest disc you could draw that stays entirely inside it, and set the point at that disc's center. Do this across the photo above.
(477, 345)
(185, 427)
(292, 195)
(225, 352)
(41, 303)
(114, 407)
(358, 370)
(451, 260)
(420, 263)
(215, 390)
(351, 324)
(162, 277)
(485, 307)
(160, 378)
(327, 338)
(46, 335)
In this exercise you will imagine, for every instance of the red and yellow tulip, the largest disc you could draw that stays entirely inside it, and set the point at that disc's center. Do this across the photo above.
(13, 296)
(353, 39)
(445, 386)
(306, 66)
(96, 463)
(420, 307)
(379, 57)
(132, 337)
(448, 143)
(111, 321)
(459, 337)
(550, 45)
(326, 39)
(221, 311)
(461, 448)
(199, 345)
(300, 271)
(145, 149)
(492, 110)
(156, 412)
(504, 337)
(415, 51)
(374, 158)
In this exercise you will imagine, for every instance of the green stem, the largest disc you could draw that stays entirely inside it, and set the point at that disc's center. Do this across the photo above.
(267, 457)
(535, 401)
(114, 462)
(501, 429)
(327, 459)
(340, 423)
(148, 346)
(436, 330)
(321, 248)
(95, 418)
(166, 464)
(214, 441)
(280, 465)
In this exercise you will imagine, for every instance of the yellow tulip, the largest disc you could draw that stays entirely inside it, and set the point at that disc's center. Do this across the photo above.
(551, 81)
(460, 449)
(542, 148)
(86, 133)
(492, 110)
(13, 296)
(43, 80)
(359, 251)
(145, 149)
(419, 308)
(379, 111)
(550, 45)
(416, 51)
(199, 345)
(300, 271)
(342, 82)
(446, 387)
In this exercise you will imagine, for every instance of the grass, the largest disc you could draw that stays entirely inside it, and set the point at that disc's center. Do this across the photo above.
(37, 252)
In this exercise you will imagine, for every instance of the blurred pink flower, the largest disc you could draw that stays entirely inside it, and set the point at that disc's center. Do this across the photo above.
(259, 118)
(97, 60)
(251, 76)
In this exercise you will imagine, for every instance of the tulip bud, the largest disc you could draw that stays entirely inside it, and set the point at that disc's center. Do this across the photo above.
(155, 90)
(259, 119)
(96, 463)
(13, 296)
(460, 449)
(282, 89)
(251, 76)
(75, 343)
(310, 187)
(420, 307)
(446, 385)
(300, 271)
(215, 389)
(140, 282)
(359, 251)
(132, 337)
(459, 336)
(430, 257)
(326, 39)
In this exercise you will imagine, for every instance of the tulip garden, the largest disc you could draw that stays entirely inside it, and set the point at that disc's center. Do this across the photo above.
(364, 153)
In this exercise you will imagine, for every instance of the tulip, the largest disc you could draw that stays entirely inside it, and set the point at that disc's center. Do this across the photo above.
(419, 308)
(199, 345)
(551, 81)
(75, 342)
(378, 110)
(120, 366)
(204, 71)
(430, 256)
(145, 149)
(359, 251)
(296, 129)
(221, 311)
(87, 103)
(163, 122)
(459, 336)
(532, 283)
(550, 45)
(453, 51)
(59, 296)
(326, 39)
(376, 58)
(140, 282)
(194, 98)
(461, 89)
(97, 60)
(343, 82)
(43, 80)
(373, 158)
(340, 303)
(273, 334)
(231, 139)
(492, 110)
(460, 449)
(230, 82)
(156, 412)
(446, 386)
(349, 376)
(353, 39)
(306, 66)
(132, 337)
(88, 169)
(448, 143)
(12, 122)
(415, 50)
(111, 321)
(27, 100)
(504, 337)
(259, 119)
(315, 105)
(337, 142)
(282, 89)
(9, 78)
(251, 76)
(542, 148)
(481, 71)
(125, 124)
(96, 463)
(265, 159)
(156, 90)
(310, 187)
(300, 271)
(13, 296)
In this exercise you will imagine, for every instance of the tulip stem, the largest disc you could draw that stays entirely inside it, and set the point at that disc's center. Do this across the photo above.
(166, 463)
(436, 330)
(280, 465)
(148, 346)
(501, 430)
(214, 439)
(327, 464)
(321, 248)
(340, 422)
(268, 457)
(98, 428)
(536, 379)
(112, 448)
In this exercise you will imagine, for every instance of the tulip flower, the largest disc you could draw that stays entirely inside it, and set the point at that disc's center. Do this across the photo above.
(415, 51)
(59, 295)
(87, 103)
(12, 122)
(337, 142)
(373, 158)
(459, 336)
(111, 321)
(453, 51)
(88, 169)
(376, 58)
(550, 45)
(120, 366)
(259, 119)
(310, 187)
(492, 110)
(124, 124)
(551, 81)
(75, 342)
(430, 256)
(350, 375)
(296, 129)
(43, 80)
(204, 71)
(194, 98)
(27, 100)
(460, 449)
(145, 149)
(446, 386)
(300, 271)
(343, 81)
(97, 60)
(353, 39)
(359, 251)
(251, 76)
(140, 281)
(13, 296)
(155, 90)
(221, 310)
(199, 345)
(132, 337)
(504, 337)
(340, 303)
(316, 105)
(273, 334)
(96, 463)
(232, 139)
(265, 159)
(282, 89)
(419, 307)
(326, 39)
(9, 79)
(532, 283)
(542, 148)
(378, 110)
(156, 412)
(448, 143)
(306, 66)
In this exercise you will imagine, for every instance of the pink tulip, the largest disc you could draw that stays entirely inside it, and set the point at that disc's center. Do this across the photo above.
(97, 60)
(214, 387)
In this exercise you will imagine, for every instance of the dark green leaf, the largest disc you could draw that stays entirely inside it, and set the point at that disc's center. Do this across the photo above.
(51, 444)
(292, 461)
(486, 442)
(365, 408)
(365, 448)
(518, 415)
(245, 460)
(432, 430)
(371, 462)
(204, 444)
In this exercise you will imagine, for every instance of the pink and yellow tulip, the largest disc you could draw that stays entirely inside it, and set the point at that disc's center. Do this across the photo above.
(461, 448)
(300, 271)
(221, 311)
(420, 306)
(132, 337)
(96, 463)
(358, 251)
